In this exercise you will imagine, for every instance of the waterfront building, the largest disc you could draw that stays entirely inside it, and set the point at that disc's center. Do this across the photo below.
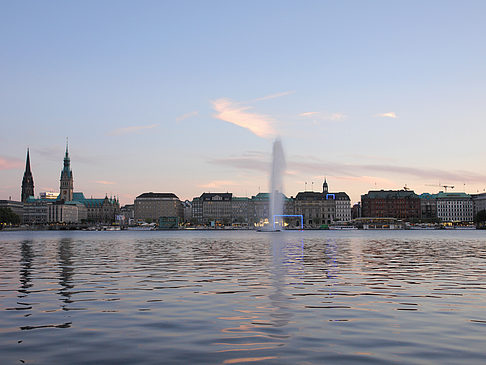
(479, 202)
(454, 207)
(35, 211)
(15, 206)
(356, 211)
(316, 208)
(323, 208)
(58, 212)
(217, 208)
(187, 206)
(343, 207)
(241, 210)
(27, 181)
(260, 207)
(128, 213)
(428, 206)
(401, 204)
(151, 206)
(197, 210)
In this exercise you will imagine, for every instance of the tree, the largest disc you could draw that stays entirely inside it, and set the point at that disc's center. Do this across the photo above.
(7, 216)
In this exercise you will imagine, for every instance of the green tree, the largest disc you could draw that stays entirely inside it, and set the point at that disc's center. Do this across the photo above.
(7, 216)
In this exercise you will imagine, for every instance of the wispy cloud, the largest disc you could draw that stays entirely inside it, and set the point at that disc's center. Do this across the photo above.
(324, 116)
(186, 116)
(8, 163)
(309, 165)
(308, 114)
(387, 115)
(235, 113)
(215, 184)
(132, 129)
(273, 96)
(103, 182)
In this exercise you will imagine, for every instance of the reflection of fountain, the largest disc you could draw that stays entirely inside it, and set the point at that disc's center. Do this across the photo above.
(276, 187)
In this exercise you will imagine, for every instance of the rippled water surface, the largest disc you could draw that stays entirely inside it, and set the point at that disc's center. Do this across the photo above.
(243, 297)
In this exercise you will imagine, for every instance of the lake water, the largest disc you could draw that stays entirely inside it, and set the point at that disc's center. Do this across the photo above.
(414, 297)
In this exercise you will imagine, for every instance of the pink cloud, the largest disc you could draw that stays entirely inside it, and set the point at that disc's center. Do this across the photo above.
(7, 163)
(235, 113)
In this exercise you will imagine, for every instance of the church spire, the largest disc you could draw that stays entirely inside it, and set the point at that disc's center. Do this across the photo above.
(27, 162)
(27, 181)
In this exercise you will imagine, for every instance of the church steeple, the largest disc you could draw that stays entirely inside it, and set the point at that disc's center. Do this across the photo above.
(27, 181)
(325, 187)
(67, 186)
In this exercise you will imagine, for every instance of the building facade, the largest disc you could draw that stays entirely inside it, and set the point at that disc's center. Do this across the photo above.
(455, 207)
(479, 202)
(428, 207)
(217, 208)
(59, 212)
(401, 204)
(152, 206)
(316, 208)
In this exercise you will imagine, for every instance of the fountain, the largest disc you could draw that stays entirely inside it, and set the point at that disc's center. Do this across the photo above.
(276, 187)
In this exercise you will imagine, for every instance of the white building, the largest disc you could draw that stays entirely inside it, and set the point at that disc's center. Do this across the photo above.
(454, 207)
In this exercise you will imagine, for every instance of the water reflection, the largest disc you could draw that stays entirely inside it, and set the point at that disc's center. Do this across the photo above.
(66, 271)
(26, 260)
(310, 297)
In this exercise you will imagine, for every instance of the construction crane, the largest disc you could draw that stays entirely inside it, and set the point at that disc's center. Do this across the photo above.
(442, 186)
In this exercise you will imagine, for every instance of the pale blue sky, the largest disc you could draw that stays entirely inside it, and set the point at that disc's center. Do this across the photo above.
(187, 96)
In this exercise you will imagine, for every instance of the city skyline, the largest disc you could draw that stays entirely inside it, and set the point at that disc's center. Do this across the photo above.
(188, 97)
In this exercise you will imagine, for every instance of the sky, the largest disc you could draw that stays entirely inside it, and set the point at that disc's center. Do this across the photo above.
(188, 96)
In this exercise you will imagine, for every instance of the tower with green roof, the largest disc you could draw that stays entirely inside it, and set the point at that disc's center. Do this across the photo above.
(67, 185)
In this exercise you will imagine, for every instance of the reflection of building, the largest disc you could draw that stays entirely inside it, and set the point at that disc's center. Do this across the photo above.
(454, 207)
(152, 206)
(403, 204)
(27, 181)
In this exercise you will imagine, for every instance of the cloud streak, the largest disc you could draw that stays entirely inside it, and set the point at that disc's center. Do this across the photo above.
(303, 165)
(132, 129)
(235, 113)
(273, 96)
(186, 116)
(104, 182)
(7, 163)
(387, 115)
(324, 116)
